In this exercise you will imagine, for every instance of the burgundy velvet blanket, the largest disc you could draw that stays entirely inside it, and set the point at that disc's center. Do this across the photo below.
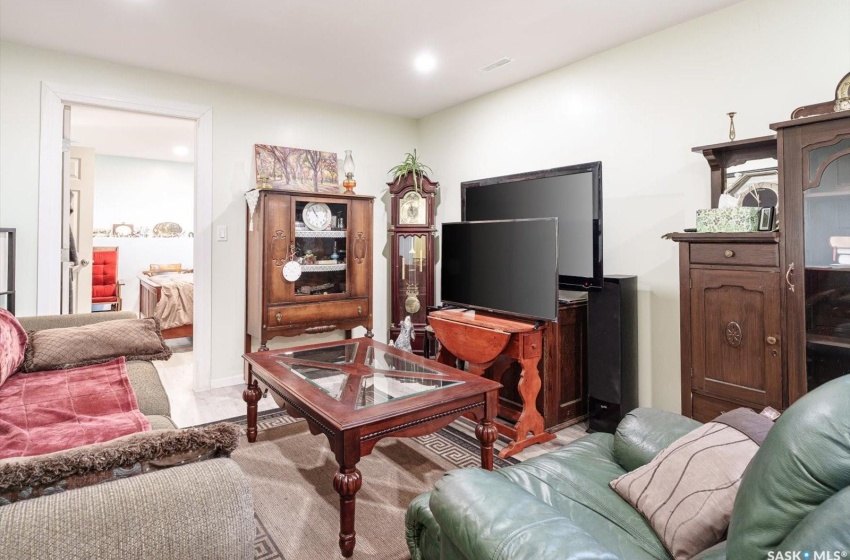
(55, 410)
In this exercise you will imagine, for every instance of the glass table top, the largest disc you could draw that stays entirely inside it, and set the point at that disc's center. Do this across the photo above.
(329, 380)
(381, 359)
(379, 388)
(386, 377)
(339, 354)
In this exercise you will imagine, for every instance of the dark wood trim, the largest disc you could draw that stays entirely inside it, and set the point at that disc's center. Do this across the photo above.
(685, 325)
(748, 237)
(809, 120)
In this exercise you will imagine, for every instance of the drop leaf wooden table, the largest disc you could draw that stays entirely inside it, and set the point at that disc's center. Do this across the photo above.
(479, 338)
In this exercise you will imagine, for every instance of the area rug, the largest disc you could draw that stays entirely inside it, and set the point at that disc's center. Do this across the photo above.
(297, 509)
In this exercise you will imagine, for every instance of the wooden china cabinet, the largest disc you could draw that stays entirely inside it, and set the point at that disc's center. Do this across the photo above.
(765, 317)
(814, 184)
(330, 238)
(412, 231)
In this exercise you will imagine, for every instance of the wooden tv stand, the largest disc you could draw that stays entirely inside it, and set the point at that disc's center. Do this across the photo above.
(479, 339)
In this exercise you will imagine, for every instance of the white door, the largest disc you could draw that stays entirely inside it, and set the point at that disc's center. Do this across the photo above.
(66, 289)
(82, 220)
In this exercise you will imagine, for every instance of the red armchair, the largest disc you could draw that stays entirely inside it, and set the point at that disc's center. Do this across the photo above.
(105, 286)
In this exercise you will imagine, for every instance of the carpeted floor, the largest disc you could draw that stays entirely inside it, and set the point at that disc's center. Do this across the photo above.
(297, 509)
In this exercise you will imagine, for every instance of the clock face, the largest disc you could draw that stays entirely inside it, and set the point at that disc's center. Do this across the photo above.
(317, 216)
(291, 271)
(412, 209)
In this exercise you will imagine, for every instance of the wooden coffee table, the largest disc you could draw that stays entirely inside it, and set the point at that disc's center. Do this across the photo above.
(357, 392)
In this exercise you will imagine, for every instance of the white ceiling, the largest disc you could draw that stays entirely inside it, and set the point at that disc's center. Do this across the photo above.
(351, 52)
(123, 133)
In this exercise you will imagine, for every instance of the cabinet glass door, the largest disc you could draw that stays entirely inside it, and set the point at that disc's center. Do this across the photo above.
(412, 266)
(826, 230)
(321, 247)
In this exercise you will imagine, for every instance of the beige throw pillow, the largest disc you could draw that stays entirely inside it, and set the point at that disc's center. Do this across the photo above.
(687, 492)
(135, 339)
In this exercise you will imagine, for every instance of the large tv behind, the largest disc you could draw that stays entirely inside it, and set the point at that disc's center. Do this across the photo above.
(572, 194)
(507, 266)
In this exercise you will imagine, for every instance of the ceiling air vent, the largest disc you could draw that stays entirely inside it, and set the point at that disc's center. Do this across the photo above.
(497, 64)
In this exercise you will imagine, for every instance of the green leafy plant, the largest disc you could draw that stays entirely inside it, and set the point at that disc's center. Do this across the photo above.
(411, 164)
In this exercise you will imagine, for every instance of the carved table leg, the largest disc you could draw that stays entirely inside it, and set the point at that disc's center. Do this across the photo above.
(251, 395)
(347, 482)
(486, 433)
(530, 420)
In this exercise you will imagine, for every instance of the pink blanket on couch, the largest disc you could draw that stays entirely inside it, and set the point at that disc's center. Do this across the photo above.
(55, 410)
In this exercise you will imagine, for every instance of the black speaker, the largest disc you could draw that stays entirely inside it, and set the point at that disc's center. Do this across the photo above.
(612, 352)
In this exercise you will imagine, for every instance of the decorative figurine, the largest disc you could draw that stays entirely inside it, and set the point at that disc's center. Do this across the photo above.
(405, 336)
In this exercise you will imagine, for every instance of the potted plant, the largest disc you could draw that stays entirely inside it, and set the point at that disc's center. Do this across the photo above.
(411, 164)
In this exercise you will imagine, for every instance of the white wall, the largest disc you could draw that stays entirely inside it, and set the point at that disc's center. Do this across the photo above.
(639, 108)
(143, 192)
(241, 118)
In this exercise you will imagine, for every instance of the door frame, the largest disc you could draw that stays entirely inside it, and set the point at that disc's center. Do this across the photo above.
(53, 99)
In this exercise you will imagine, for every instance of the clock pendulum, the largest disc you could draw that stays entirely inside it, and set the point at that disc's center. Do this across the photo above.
(411, 303)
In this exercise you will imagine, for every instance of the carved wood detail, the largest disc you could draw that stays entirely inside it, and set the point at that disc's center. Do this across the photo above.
(360, 247)
(734, 335)
(278, 249)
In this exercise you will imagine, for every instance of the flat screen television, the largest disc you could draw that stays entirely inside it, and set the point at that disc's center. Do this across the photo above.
(572, 194)
(506, 266)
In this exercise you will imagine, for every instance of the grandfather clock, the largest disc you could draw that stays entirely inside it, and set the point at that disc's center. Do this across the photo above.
(412, 255)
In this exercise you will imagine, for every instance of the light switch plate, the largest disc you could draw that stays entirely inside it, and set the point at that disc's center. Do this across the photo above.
(222, 233)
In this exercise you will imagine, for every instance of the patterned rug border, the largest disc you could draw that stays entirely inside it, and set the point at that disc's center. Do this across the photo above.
(264, 546)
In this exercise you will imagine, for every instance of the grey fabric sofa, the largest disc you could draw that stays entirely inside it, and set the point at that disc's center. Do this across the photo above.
(197, 511)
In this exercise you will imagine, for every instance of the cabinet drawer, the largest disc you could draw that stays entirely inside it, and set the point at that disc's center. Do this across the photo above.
(322, 312)
(706, 409)
(752, 254)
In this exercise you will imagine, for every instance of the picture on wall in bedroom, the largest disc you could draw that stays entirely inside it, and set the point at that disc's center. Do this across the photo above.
(296, 169)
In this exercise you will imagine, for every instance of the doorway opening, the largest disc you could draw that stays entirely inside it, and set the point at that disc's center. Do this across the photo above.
(131, 189)
(54, 203)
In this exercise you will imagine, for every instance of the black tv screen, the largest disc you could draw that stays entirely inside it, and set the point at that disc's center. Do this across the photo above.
(572, 194)
(508, 266)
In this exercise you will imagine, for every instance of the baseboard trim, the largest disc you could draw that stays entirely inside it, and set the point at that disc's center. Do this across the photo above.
(227, 381)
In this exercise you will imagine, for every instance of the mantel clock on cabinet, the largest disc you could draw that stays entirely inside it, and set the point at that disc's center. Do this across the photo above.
(412, 232)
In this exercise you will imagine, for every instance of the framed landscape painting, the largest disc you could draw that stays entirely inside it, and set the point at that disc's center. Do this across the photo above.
(296, 169)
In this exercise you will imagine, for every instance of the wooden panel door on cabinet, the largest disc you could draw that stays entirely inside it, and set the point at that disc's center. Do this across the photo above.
(278, 232)
(735, 335)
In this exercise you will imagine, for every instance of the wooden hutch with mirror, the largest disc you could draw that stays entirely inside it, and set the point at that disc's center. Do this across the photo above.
(765, 316)
(309, 265)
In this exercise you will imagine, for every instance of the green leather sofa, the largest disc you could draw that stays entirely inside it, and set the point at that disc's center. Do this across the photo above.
(794, 496)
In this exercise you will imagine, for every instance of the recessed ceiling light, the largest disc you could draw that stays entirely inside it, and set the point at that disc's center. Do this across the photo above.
(425, 62)
(181, 151)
